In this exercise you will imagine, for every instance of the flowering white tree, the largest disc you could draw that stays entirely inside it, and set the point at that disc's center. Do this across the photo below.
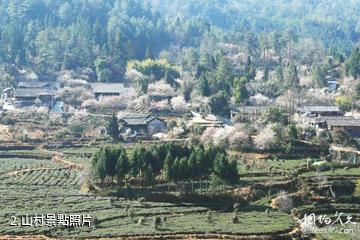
(178, 104)
(207, 136)
(160, 105)
(266, 137)
(111, 103)
(233, 136)
(160, 88)
(74, 95)
(68, 78)
(259, 99)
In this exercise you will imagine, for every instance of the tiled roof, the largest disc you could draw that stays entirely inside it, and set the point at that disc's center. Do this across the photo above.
(32, 92)
(137, 118)
(343, 122)
(33, 84)
(318, 109)
(108, 87)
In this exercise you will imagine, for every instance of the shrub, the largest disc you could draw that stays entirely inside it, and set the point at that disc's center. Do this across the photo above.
(76, 128)
(268, 212)
(6, 120)
(141, 221)
(141, 200)
(234, 219)
(236, 207)
(209, 217)
(163, 220)
(283, 202)
(156, 222)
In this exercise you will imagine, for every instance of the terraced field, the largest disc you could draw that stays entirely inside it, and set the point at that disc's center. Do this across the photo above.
(44, 186)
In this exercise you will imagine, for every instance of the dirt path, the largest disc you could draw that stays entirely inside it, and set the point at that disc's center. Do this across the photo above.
(58, 157)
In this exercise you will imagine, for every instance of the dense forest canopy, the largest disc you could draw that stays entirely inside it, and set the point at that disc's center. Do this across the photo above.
(101, 36)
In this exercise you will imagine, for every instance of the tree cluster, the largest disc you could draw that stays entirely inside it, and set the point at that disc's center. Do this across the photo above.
(170, 161)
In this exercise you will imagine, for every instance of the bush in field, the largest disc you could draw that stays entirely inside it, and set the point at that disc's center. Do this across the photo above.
(357, 189)
(268, 212)
(156, 222)
(131, 213)
(209, 217)
(283, 202)
(236, 207)
(76, 128)
(141, 221)
(141, 200)
(234, 219)
(163, 220)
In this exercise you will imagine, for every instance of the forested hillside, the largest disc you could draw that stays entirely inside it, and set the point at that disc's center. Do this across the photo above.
(222, 44)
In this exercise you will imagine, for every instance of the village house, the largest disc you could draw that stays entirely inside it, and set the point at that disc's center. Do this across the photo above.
(347, 123)
(142, 125)
(108, 89)
(31, 93)
(204, 121)
(316, 111)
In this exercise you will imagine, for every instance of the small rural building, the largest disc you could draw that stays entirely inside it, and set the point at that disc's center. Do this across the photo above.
(205, 121)
(144, 125)
(250, 112)
(30, 97)
(8, 93)
(352, 126)
(36, 85)
(333, 85)
(32, 93)
(108, 89)
(347, 123)
(316, 111)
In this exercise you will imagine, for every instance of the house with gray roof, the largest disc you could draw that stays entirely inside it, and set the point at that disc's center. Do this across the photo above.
(29, 93)
(142, 124)
(316, 111)
(108, 89)
(332, 123)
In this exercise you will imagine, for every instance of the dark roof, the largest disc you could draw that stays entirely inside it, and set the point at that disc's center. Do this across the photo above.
(108, 87)
(33, 84)
(307, 109)
(250, 109)
(137, 118)
(331, 118)
(32, 92)
(343, 122)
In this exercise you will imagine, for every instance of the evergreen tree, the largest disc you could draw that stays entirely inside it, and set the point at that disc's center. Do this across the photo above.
(265, 77)
(149, 53)
(319, 76)
(241, 93)
(168, 167)
(219, 104)
(224, 75)
(122, 167)
(204, 86)
(352, 66)
(113, 128)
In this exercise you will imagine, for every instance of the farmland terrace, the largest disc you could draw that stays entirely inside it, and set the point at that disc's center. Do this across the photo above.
(36, 184)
